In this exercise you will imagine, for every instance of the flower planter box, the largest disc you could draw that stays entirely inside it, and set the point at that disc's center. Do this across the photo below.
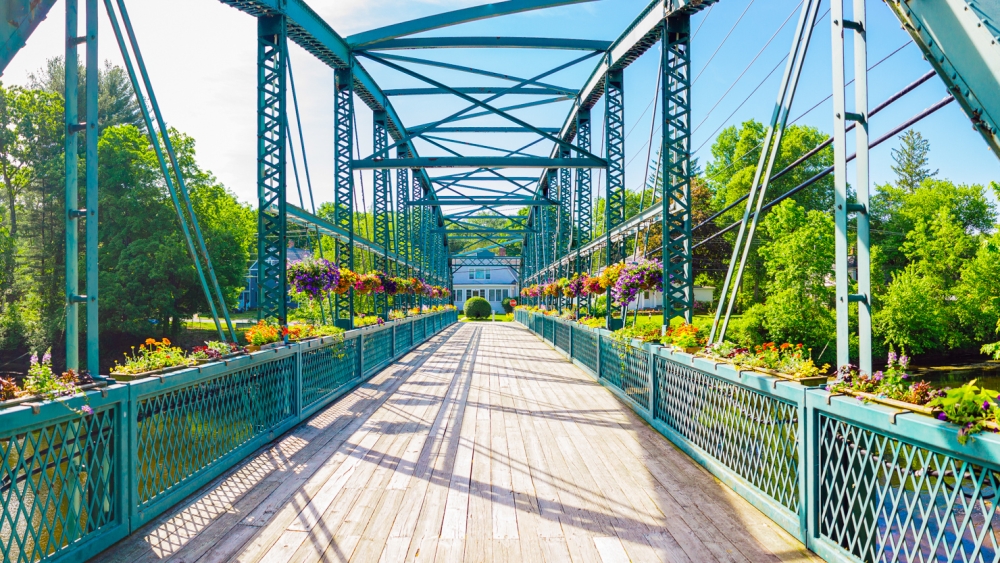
(204, 361)
(815, 381)
(37, 398)
(152, 373)
(919, 409)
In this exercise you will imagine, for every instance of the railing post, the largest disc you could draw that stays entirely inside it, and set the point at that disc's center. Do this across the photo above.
(361, 356)
(598, 354)
(809, 471)
(652, 381)
(298, 382)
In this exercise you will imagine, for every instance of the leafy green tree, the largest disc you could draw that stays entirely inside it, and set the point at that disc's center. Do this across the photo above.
(798, 259)
(977, 294)
(116, 101)
(911, 166)
(146, 270)
(916, 310)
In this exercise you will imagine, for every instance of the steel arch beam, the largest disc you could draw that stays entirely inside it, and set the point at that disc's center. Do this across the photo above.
(455, 17)
(489, 43)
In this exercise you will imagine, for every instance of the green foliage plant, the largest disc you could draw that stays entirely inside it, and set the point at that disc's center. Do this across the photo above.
(506, 304)
(151, 356)
(478, 308)
(969, 406)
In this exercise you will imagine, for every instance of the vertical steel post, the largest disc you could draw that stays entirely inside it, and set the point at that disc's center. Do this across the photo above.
(678, 282)
(403, 246)
(92, 241)
(565, 238)
(72, 187)
(272, 247)
(343, 203)
(842, 208)
(380, 206)
(614, 201)
(584, 190)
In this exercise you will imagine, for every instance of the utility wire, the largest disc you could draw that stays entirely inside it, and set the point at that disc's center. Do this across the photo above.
(703, 20)
(726, 38)
(759, 53)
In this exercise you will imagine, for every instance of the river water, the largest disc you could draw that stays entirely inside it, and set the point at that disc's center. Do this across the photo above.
(986, 374)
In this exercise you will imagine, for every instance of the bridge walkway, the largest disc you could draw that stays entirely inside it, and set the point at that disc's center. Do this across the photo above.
(481, 445)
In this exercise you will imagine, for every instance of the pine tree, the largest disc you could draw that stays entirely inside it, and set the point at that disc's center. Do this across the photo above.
(911, 166)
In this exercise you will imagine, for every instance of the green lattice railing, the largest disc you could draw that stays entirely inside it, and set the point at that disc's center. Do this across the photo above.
(883, 485)
(72, 484)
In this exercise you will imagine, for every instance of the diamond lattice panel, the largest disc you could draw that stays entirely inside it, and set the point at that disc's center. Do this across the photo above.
(562, 337)
(404, 338)
(883, 499)
(753, 434)
(585, 348)
(378, 349)
(627, 368)
(183, 430)
(57, 485)
(327, 369)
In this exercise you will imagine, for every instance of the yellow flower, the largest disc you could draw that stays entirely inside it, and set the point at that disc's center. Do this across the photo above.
(150, 341)
(166, 342)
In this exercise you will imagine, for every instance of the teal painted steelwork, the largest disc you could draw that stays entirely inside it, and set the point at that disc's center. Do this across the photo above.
(343, 189)
(73, 484)
(564, 236)
(18, 20)
(678, 278)
(488, 43)
(614, 195)
(478, 162)
(381, 199)
(92, 242)
(70, 150)
(880, 484)
(765, 164)
(455, 17)
(842, 208)
(156, 136)
(272, 248)
(959, 39)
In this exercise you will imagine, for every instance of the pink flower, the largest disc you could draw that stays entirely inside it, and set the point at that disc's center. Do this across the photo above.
(87, 410)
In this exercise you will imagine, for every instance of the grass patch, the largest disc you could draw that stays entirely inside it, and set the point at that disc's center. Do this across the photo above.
(499, 318)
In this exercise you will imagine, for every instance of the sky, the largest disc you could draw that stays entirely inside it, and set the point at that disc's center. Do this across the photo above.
(201, 57)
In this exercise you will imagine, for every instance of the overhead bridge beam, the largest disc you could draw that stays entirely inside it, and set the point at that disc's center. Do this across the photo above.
(454, 17)
(473, 90)
(488, 43)
(476, 162)
(487, 201)
(417, 131)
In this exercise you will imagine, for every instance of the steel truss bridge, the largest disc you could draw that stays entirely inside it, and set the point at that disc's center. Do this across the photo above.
(186, 465)
(471, 188)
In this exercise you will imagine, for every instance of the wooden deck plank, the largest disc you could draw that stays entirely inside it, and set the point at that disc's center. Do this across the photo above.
(484, 445)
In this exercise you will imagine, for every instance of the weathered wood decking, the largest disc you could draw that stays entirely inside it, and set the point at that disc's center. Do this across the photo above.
(482, 445)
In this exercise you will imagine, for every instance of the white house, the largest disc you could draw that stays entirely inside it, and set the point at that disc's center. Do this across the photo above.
(492, 283)
(654, 299)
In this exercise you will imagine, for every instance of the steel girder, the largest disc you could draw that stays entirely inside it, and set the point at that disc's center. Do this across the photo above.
(271, 180)
(614, 119)
(380, 207)
(402, 218)
(564, 238)
(343, 189)
(584, 189)
(842, 208)
(678, 278)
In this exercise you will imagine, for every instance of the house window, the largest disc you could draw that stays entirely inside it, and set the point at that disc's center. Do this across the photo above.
(472, 274)
(487, 274)
(493, 295)
(506, 293)
(645, 295)
(458, 295)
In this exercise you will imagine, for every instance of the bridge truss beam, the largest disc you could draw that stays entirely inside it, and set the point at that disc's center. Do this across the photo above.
(272, 247)
(678, 278)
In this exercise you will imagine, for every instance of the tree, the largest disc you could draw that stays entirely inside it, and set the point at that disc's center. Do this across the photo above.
(798, 258)
(116, 101)
(146, 269)
(911, 166)
(977, 294)
(917, 310)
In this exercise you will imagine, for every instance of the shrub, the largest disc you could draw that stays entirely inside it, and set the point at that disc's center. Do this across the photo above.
(478, 308)
(507, 307)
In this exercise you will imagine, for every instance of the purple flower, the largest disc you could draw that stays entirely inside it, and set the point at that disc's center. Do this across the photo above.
(904, 361)
(87, 410)
(47, 358)
(34, 359)
(943, 417)
(892, 357)
(986, 405)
